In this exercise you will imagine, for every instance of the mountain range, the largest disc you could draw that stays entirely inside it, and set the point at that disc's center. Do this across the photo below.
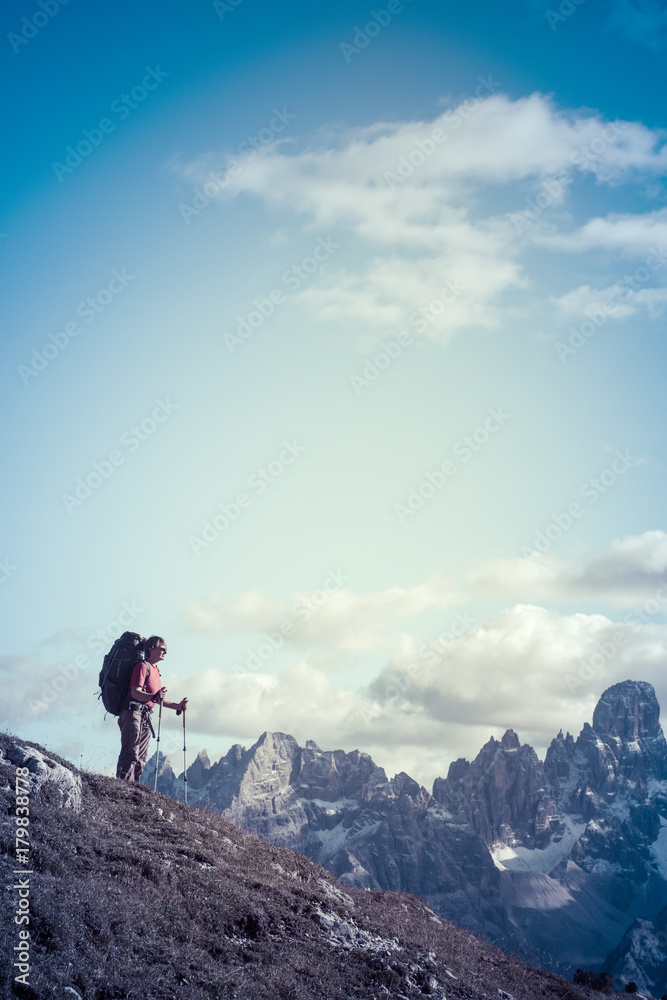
(114, 892)
(561, 861)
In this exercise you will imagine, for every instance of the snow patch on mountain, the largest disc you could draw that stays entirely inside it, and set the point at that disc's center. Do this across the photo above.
(332, 841)
(328, 808)
(537, 859)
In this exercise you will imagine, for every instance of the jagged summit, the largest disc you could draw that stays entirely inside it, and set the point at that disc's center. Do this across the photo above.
(629, 710)
(510, 740)
(198, 770)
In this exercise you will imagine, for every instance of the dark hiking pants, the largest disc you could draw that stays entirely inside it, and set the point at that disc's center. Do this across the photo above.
(135, 736)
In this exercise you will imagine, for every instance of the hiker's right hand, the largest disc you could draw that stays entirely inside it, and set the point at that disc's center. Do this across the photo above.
(160, 694)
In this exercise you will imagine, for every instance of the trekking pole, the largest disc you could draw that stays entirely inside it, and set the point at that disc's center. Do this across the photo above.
(185, 763)
(185, 766)
(157, 759)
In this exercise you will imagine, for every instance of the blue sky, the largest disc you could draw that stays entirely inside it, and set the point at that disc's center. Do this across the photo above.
(334, 353)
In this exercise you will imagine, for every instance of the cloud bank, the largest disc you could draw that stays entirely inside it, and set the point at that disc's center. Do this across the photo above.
(422, 199)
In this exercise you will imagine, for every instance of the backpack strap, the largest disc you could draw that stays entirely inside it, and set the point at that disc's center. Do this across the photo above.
(148, 673)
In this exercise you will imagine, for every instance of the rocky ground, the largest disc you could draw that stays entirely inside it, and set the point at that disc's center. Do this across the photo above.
(133, 895)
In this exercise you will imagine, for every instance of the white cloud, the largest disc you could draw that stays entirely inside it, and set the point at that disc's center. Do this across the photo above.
(497, 142)
(654, 300)
(436, 296)
(412, 192)
(527, 668)
(335, 617)
(248, 612)
(32, 688)
(297, 701)
(633, 569)
(538, 575)
(614, 302)
(629, 235)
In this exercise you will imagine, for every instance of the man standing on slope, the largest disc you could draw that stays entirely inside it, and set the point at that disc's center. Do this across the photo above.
(144, 691)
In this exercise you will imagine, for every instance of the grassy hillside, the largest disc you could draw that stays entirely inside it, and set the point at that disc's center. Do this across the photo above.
(137, 896)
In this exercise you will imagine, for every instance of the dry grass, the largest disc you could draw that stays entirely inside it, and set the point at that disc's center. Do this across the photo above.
(138, 896)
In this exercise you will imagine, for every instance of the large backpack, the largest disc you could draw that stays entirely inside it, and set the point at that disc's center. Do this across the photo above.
(117, 668)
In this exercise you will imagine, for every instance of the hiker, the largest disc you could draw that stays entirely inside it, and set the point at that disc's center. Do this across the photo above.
(143, 693)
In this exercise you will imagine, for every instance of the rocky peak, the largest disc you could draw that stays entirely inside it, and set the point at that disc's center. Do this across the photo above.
(333, 774)
(510, 741)
(503, 793)
(457, 769)
(166, 779)
(559, 763)
(628, 710)
(625, 746)
(199, 771)
(266, 771)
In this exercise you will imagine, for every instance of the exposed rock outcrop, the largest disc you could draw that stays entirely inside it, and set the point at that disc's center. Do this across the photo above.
(44, 771)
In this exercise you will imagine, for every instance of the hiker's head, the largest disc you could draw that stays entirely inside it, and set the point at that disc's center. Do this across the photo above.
(156, 649)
